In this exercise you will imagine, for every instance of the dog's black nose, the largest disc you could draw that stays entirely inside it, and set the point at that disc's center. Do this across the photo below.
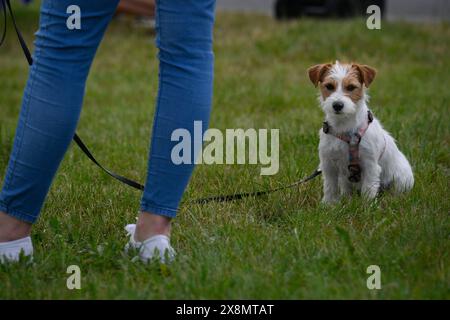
(338, 106)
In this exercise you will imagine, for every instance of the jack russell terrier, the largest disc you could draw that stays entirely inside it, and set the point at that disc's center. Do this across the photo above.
(355, 151)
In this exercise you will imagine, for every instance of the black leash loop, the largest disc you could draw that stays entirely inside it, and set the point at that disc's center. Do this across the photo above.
(136, 185)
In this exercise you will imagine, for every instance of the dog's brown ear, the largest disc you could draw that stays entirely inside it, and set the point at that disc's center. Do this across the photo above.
(367, 73)
(317, 72)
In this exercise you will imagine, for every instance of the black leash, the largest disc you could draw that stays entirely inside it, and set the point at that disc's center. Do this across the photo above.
(7, 6)
(239, 196)
(136, 185)
(131, 183)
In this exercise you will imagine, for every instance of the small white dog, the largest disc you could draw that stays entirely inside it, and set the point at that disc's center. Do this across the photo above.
(354, 149)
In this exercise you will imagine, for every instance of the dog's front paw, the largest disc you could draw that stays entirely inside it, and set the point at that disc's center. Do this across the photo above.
(370, 192)
(329, 200)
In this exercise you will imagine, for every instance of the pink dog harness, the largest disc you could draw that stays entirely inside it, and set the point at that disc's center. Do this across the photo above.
(353, 139)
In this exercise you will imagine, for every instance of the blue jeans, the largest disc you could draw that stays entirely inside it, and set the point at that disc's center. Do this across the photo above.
(54, 95)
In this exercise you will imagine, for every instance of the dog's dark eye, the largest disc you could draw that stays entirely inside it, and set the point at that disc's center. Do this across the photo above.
(329, 86)
(351, 87)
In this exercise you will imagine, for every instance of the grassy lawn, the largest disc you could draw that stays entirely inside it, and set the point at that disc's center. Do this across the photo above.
(284, 246)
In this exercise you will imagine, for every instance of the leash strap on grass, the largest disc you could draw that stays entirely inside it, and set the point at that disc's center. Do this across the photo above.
(239, 196)
(136, 185)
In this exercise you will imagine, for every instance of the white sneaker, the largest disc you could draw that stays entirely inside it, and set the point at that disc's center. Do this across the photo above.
(154, 247)
(10, 251)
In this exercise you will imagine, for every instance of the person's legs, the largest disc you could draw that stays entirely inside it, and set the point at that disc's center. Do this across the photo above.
(53, 99)
(184, 39)
(50, 109)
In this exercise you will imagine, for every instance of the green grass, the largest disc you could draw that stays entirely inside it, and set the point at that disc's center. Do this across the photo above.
(284, 246)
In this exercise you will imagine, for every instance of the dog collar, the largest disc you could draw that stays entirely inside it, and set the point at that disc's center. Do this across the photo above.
(353, 139)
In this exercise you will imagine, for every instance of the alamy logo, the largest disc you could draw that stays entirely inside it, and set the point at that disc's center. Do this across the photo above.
(233, 150)
(374, 20)
(74, 280)
(374, 280)
(74, 20)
